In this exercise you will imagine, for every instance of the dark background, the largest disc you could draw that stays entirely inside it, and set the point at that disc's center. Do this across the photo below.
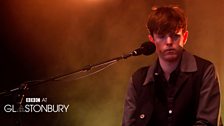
(43, 38)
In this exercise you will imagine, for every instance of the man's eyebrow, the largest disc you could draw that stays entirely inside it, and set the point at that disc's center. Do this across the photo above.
(177, 33)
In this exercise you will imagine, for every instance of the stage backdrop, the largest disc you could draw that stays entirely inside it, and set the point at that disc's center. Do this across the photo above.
(44, 38)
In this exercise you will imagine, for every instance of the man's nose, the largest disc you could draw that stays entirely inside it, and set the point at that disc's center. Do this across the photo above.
(169, 40)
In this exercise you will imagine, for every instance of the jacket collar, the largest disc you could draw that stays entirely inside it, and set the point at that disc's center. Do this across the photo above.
(188, 64)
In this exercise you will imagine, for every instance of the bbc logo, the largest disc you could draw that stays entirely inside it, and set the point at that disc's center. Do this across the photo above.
(32, 99)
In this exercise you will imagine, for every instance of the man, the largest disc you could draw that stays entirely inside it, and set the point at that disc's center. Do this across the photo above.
(179, 89)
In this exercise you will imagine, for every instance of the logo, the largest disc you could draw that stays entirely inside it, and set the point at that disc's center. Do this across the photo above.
(36, 105)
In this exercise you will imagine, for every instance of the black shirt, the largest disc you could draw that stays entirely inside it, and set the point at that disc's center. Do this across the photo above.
(164, 97)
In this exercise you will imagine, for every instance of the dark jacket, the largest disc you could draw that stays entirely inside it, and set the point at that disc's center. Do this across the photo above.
(196, 99)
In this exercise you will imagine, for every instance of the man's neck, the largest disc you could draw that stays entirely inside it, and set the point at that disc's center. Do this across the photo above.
(168, 67)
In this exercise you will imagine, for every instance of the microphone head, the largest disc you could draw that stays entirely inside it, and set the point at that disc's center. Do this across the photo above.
(148, 48)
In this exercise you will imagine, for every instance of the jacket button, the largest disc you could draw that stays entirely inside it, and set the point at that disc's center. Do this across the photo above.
(142, 116)
(170, 111)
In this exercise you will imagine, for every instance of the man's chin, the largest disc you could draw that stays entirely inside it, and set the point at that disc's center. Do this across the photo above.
(171, 58)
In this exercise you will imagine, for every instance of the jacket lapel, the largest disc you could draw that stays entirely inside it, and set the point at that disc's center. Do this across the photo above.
(187, 67)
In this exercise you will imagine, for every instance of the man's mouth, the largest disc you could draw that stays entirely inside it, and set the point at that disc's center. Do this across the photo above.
(170, 51)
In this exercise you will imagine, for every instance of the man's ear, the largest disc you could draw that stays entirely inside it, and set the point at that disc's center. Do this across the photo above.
(185, 37)
(151, 38)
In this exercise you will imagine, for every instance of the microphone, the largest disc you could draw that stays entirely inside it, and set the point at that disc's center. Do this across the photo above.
(147, 48)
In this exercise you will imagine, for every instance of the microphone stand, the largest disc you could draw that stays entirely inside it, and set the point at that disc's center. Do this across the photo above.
(29, 84)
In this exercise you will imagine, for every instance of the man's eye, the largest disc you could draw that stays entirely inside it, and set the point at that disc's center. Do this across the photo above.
(161, 36)
(176, 37)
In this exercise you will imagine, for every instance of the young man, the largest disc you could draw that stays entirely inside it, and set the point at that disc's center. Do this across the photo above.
(179, 89)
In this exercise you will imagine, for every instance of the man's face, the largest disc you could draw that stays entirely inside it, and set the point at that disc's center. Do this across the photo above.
(169, 46)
